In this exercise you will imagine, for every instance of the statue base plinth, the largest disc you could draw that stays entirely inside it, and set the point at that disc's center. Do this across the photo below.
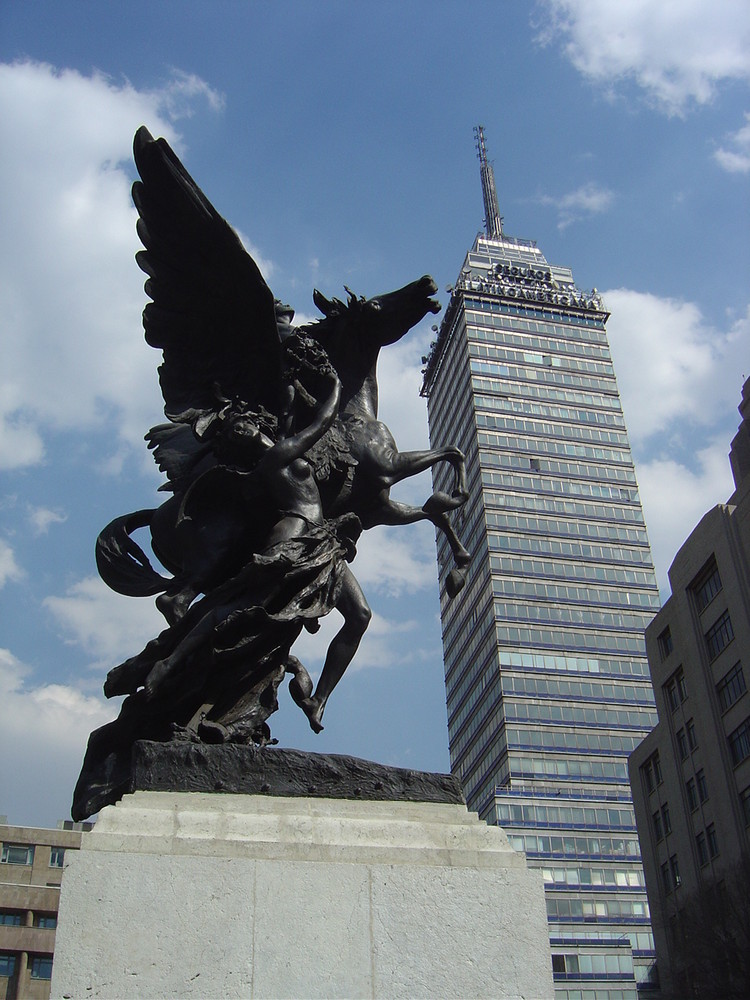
(194, 894)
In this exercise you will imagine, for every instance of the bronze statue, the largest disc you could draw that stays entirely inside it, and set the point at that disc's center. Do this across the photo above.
(275, 460)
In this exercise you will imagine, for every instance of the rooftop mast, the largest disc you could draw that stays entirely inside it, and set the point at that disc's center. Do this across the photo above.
(493, 222)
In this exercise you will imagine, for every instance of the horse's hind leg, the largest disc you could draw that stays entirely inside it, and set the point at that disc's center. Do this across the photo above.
(395, 466)
(392, 512)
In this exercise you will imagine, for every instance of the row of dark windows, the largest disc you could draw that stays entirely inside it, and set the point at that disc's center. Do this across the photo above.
(670, 875)
(494, 382)
(23, 854)
(543, 320)
(602, 909)
(586, 595)
(17, 918)
(522, 335)
(588, 848)
(40, 965)
(719, 635)
(586, 573)
(707, 845)
(544, 376)
(591, 510)
(593, 966)
(739, 742)
(562, 469)
(731, 687)
(499, 402)
(696, 789)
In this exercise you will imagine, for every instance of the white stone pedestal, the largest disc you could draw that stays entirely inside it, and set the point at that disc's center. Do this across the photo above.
(179, 894)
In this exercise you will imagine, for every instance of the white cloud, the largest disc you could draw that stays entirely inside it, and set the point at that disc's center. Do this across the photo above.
(396, 560)
(106, 625)
(680, 381)
(41, 518)
(674, 371)
(52, 723)
(9, 568)
(588, 199)
(675, 498)
(676, 51)
(736, 158)
(72, 296)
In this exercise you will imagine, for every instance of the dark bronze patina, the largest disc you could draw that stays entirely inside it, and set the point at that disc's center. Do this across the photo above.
(275, 460)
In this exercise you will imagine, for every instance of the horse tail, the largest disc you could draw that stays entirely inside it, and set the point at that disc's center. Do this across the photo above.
(122, 563)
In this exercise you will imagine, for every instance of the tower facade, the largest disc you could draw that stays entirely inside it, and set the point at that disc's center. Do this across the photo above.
(546, 675)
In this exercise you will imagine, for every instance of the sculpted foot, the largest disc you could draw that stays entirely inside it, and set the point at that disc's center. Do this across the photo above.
(173, 606)
(313, 709)
(155, 677)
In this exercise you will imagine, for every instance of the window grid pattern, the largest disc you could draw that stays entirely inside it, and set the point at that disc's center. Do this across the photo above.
(707, 587)
(731, 687)
(530, 395)
(719, 635)
(739, 742)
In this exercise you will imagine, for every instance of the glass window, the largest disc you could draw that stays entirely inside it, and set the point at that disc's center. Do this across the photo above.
(41, 967)
(681, 685)
(731, 687)
(706, 586)
(658, 831)
(745, 803)
(17, 854)
(691, 737)
(682, 744)
(702, 847)
(56, 857)
(7, 963)
(739, 742)
(692, 793)
(666, 877)
(665, 819)
(700, 778)
(657, 768)
(665, 643)
(45, 920)
(675, 869)
(719, 635)
(10, 918)
(670, 694)
(713, 845)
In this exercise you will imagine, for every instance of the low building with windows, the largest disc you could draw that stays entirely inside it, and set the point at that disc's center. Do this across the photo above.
(31, 865)
(691, 776)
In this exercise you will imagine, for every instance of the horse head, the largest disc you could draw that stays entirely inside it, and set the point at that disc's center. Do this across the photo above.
(383, 319)
(354, 331)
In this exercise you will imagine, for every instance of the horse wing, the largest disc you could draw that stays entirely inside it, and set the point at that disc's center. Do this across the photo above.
(212, 314)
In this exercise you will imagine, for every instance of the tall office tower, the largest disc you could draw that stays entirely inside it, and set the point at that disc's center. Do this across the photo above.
(545, 668)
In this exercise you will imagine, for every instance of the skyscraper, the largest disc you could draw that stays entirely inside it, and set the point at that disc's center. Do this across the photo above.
(546, 675)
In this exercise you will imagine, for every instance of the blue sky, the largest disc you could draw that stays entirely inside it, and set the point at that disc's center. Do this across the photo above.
(337, 138)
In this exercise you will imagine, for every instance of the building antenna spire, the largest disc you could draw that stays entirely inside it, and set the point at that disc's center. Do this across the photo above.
(493, 222)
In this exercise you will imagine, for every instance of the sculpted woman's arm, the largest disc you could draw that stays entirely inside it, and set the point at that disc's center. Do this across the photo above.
(288, 449)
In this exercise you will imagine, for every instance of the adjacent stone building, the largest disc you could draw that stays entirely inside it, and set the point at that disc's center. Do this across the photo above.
(691, 775)
(31, 865)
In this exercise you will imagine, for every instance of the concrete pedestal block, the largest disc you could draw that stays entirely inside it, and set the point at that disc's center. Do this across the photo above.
(177, 894)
